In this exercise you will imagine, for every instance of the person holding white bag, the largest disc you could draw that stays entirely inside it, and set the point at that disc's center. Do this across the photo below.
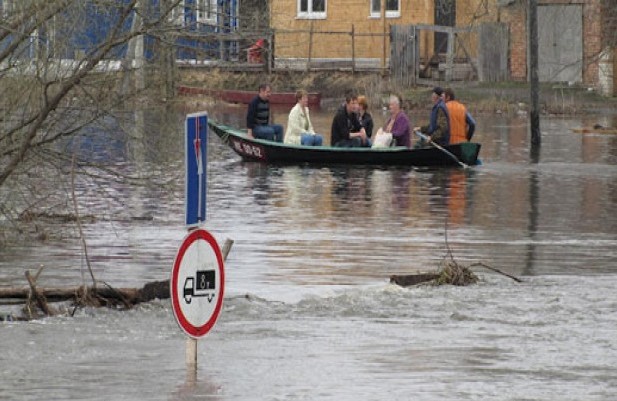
(396, 130)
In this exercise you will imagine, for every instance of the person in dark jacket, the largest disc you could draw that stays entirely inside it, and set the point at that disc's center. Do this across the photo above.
(366, 120)
(258, 117)
(347, 132)
(438, 129)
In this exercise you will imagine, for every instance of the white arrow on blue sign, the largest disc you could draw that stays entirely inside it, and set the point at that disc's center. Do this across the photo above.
(196, 145)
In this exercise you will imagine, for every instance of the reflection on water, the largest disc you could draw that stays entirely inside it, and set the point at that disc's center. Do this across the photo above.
(548, 212)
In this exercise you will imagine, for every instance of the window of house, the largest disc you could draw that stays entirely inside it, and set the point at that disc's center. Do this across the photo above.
(206, 11)
(312, 9)
(5, 8)
(393, 8)
(176, 15)
(203, 11)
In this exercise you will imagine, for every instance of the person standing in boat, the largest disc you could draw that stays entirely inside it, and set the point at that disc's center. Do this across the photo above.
(366, 120)
(462, 124)
(299, 128)
(438, 129)
(346, 131)
(398, 123)
(258, 117)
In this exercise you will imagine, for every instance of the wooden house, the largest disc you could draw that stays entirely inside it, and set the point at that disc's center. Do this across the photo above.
(321, 30)
(573, 41)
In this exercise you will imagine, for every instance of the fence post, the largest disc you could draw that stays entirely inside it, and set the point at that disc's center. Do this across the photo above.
(310, 48)
(269, 64)
(383, 21)
(415, 57)
(353, 50)
(450, 55)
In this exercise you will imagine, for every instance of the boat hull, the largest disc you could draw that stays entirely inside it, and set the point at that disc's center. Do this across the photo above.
(262, 151)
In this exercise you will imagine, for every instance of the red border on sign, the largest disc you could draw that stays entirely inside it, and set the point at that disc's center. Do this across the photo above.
(190, 329)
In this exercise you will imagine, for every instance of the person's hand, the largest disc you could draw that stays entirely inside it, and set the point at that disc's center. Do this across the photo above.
(416, 129)
(363, 135)
(249, 133)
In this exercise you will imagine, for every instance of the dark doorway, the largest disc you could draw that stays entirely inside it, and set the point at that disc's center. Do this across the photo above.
(445, 15)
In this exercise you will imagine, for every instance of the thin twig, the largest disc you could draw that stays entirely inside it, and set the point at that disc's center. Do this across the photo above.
(78, 220)
(447, 243)
(518, 280)
(38, 296)
(123, 299)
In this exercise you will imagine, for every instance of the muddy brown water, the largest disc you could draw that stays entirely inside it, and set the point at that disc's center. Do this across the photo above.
(309, 313)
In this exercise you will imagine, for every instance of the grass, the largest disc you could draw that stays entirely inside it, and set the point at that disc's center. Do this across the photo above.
(480, 97)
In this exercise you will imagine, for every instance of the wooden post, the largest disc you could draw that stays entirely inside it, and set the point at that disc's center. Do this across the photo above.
(191, 353)
(310, 48)
(226, 248)
(450, 55)
(270, 63)
(614, 55)
(383, 22)
(353, 50)
(533, 73)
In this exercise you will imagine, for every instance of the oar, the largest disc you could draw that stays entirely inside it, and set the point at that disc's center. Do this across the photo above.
(421, 135)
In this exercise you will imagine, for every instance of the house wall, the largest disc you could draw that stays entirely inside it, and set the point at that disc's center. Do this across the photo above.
(471, 13)
(342, 17)
(606, 73)
(515, 15)
(592, 41)
(345, 15)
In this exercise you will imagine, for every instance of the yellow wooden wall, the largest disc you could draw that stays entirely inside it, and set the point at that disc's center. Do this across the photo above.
(345, 15)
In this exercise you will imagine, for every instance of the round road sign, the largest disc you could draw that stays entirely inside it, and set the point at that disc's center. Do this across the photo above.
(197, 283)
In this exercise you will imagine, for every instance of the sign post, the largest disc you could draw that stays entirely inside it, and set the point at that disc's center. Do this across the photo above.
(196, 145)
(197, 280)
(197, 285)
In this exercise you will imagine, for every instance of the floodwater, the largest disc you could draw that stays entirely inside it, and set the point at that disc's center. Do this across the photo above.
(309, 313)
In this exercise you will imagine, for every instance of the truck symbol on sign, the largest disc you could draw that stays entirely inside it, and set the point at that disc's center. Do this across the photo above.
(202, 285)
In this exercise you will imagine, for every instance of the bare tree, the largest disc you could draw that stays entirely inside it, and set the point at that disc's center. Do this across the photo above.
(66, 68)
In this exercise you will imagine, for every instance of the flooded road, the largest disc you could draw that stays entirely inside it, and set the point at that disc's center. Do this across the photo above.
(309, 313)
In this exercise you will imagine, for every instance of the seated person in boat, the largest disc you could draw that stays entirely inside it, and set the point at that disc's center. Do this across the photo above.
(462, 124)
(258, 117)
(299, 128)
(347, 132)
(398, 123)
(366, 120)
(438, 129)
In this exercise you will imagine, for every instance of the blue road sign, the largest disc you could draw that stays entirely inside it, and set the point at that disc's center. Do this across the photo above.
(196, 145)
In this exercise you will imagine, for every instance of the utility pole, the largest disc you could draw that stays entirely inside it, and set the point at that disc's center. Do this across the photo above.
(534, 114)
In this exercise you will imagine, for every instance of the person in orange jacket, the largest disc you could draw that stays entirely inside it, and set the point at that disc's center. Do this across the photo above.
(462, 124)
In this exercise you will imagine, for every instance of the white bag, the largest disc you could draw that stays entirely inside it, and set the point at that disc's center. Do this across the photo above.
(382, 139)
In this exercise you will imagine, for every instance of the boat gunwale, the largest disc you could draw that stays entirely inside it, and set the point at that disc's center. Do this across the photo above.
(242, 135)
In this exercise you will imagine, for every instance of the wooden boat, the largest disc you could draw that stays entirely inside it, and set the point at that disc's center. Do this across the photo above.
(259, 150)
(245, 97)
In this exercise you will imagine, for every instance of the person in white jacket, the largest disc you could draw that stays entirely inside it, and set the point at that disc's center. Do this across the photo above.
(299, 128)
